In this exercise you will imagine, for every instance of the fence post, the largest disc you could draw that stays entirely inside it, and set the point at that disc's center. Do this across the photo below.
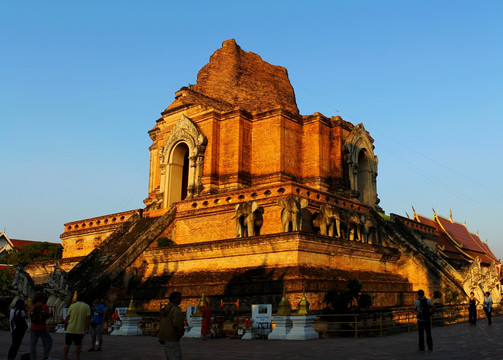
(356, 325)
(408, 321)
(380, 321)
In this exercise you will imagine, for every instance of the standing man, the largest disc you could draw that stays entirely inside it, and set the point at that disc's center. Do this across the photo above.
(97, 321)
(39, 313)
(171, 327)
(77, 320)
(424, 308)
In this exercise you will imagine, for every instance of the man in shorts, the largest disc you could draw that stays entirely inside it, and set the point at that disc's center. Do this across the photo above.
(78, 324)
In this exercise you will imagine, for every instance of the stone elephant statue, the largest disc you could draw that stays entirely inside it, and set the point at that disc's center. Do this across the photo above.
(247, 219)
(369, 230)
(354, 222)
(328, 220)
(291, 215)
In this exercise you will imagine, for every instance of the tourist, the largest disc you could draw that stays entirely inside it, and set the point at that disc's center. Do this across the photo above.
(171, 327)
(488, 306)
(472, 309)
(97, 321)
(77, 321)
(39, 313)
(424, 308)
(206, 325)
(18, 327)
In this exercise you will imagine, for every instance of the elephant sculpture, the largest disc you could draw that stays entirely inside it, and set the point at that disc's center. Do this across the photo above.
(354, 223)
(291, 215)
(328, 220)
(247, 219)
(369, 230)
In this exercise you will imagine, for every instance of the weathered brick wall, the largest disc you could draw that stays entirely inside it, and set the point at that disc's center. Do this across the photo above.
(83, 236)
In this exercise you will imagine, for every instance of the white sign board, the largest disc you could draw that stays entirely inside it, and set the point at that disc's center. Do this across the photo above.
(262, 317)
(121, 311)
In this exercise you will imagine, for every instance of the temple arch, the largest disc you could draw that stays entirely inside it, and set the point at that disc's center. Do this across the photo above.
(361, 165)
(181, 160)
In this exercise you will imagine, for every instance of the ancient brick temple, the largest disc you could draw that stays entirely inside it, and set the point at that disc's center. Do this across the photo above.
(247, 196)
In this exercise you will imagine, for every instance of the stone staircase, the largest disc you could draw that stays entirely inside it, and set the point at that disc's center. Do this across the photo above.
(94, 274)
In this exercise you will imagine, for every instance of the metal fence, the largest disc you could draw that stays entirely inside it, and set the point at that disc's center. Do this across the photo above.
(387, 322)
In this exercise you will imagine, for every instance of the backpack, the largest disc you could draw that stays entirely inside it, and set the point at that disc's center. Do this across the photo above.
(18, 322)
(424, 312)
(38, 315)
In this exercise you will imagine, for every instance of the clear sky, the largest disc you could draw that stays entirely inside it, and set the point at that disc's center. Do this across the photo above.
(81, 83)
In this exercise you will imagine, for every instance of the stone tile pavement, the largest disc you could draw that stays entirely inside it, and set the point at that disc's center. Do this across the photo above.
(459, 341)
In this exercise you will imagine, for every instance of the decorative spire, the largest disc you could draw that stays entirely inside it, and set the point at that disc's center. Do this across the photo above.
(450, 214)
(413, 210)
(284, 305)
(406, 213)
(131, 310)
(303, 307)
(202, 302)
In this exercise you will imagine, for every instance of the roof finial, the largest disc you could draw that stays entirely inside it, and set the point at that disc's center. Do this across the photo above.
(414, 210)
(450, 214)
(406, 213)
(434, 213)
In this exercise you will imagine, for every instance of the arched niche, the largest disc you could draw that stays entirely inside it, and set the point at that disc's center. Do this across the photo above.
(361, 165)
(181, 162)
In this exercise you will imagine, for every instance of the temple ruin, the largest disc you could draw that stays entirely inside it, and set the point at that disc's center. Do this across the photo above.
(247, 197)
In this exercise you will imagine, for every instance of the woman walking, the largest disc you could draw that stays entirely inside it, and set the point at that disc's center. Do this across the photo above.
(488, 306)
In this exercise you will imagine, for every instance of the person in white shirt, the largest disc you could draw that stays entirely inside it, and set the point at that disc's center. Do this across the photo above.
(488, 306)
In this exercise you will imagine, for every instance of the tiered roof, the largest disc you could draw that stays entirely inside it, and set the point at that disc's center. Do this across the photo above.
(456, 241)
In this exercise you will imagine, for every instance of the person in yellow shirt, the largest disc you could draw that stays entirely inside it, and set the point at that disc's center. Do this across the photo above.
(77, 320)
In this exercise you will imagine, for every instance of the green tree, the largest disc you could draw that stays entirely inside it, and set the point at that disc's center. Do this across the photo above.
(164, 241)
(6, 277)
(34, 251)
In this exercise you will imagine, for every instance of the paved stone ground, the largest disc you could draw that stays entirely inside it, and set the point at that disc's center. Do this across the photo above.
(459, 341)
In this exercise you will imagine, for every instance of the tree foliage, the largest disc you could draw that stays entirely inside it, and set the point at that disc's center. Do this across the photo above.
(34, 251)
(6, 278)
(164, 241)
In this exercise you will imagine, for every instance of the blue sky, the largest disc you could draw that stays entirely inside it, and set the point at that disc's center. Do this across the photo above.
(81, 83)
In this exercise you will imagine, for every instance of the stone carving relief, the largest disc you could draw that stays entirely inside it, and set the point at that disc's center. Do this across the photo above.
(58, 290)
(480, 280)
(492, 282)
(22, 286)
(291, 215)
(248, 219)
